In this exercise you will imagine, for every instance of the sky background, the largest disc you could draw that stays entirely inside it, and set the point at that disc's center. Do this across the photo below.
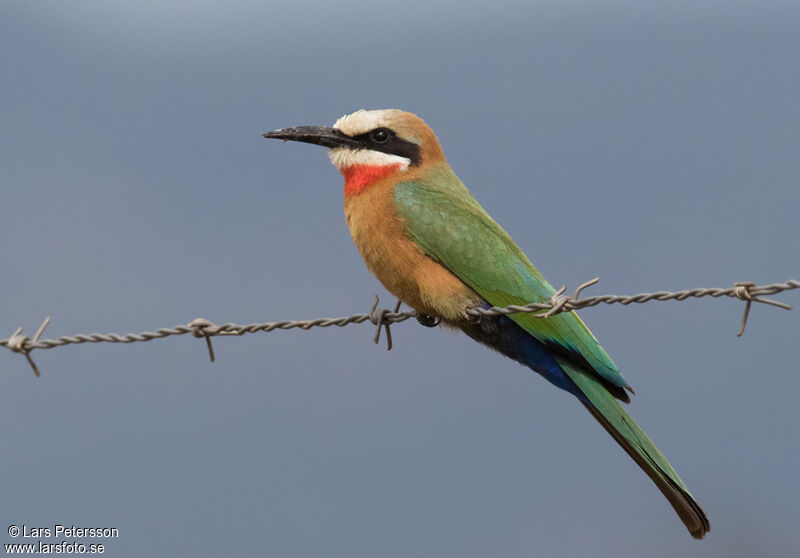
(654, 145)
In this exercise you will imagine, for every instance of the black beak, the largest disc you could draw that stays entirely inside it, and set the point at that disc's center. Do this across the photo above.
(319, 135)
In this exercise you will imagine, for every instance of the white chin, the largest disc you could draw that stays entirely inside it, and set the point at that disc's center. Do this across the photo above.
(343, 158)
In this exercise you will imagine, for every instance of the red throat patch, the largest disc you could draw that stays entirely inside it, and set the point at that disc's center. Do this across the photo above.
(357, 178)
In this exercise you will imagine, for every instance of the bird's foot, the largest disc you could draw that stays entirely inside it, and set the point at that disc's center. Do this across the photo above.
(426, 320)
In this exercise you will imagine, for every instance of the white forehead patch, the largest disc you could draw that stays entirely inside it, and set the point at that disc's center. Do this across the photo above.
(362, 121)
(344, 158)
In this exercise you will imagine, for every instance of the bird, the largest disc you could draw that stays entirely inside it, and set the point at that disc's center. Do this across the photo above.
(429, 242)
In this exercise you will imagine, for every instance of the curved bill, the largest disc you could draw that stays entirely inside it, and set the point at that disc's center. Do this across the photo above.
(319, 135)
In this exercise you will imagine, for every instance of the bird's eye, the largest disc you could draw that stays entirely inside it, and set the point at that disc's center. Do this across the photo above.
(379, 135)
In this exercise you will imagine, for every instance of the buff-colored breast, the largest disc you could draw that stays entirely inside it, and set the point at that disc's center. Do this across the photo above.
(398, 262)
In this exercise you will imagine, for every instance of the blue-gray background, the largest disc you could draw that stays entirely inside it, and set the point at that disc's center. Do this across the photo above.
(656, 147)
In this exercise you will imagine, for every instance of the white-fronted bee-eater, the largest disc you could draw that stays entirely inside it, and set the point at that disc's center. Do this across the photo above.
(433, 246)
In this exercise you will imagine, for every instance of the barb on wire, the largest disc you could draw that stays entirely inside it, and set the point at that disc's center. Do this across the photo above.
(19, 343)
(749, 292)
(199, 326)
(379, 318)
(744, 291)
(558, 301)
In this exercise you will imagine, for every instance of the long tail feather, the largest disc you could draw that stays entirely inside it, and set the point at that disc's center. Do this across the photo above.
(635, 442)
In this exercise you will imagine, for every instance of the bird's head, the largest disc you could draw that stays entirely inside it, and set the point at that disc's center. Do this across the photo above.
(369, 145)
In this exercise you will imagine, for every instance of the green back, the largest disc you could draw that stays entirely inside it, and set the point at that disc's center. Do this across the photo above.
(443, 218)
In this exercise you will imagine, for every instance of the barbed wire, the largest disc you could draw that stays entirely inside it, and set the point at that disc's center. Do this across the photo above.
(382, 318)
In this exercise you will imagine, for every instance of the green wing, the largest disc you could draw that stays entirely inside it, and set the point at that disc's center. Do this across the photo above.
(443, 218)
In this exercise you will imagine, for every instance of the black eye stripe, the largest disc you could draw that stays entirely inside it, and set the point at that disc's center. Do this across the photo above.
(393, 145)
